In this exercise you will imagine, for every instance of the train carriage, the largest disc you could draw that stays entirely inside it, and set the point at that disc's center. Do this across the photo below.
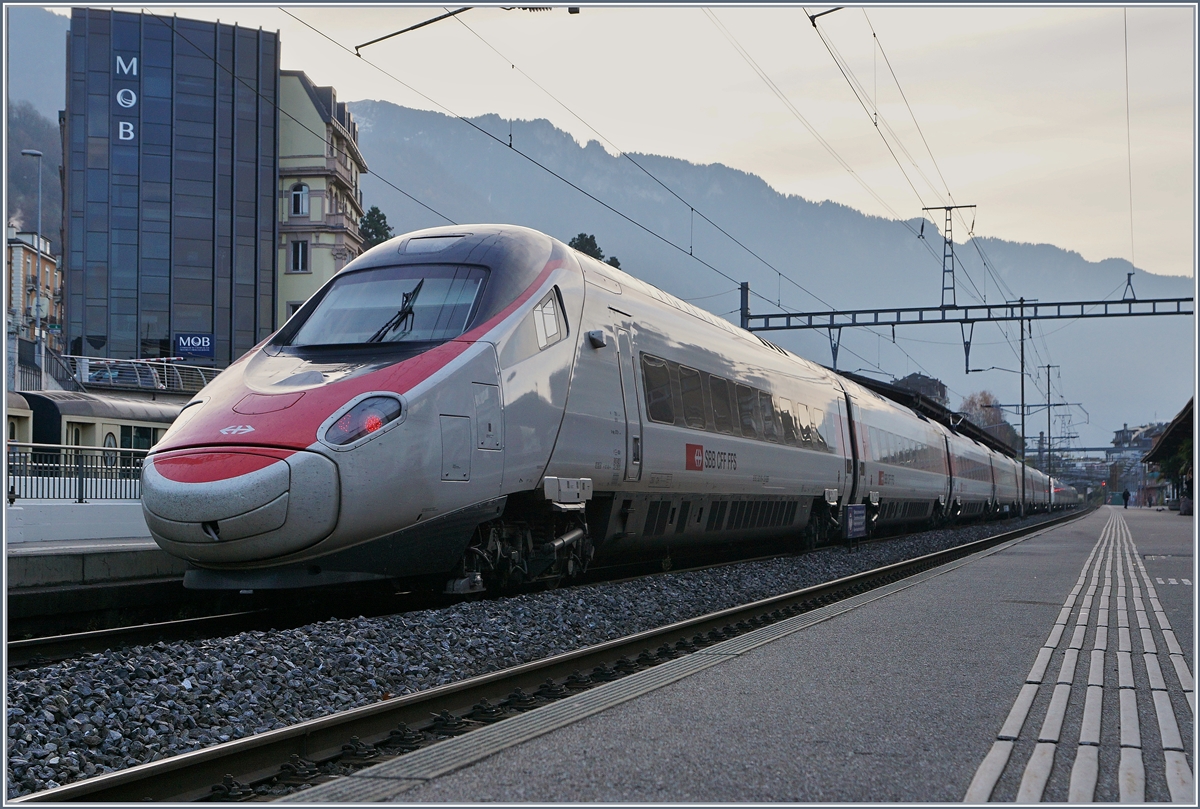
(484, 406)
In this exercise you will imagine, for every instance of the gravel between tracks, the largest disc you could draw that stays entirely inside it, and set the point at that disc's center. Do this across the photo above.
(103, 712)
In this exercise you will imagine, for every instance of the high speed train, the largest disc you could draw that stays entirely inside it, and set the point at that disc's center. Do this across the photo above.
(484, 406)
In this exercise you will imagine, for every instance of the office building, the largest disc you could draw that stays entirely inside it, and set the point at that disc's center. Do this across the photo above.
(170, 183)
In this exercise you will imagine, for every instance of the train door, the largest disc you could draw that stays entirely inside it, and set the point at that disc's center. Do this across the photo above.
(849, 415)
(633, 415)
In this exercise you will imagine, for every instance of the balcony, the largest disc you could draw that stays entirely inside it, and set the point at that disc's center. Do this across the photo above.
(341, 170)
(343, 221)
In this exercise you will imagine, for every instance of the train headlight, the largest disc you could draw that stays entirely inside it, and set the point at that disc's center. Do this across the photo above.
(366, 417)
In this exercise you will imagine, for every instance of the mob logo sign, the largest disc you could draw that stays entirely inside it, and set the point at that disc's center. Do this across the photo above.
(125, 112)
(694, 460)
(194, 345)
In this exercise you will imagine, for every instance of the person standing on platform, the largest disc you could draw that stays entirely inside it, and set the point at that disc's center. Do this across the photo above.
(1125, 497)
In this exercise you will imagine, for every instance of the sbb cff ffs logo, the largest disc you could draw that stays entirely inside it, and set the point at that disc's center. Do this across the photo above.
(697, 460)
(194, 345)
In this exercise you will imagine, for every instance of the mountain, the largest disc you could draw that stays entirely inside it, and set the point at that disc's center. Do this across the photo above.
(29, 129)
(1121, 370)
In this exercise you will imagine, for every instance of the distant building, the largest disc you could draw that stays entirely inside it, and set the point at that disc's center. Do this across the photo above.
(1124, 459)
(170, 177)
(927, 386)
(320, 203)
(32, 291)
(24, 291)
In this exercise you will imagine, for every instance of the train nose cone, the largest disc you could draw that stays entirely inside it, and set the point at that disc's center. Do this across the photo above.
(222, 506)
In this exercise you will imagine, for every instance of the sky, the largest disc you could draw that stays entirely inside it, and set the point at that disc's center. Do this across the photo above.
(1022, 111)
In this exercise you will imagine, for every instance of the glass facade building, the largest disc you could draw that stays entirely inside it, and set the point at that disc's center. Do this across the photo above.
(170, 173)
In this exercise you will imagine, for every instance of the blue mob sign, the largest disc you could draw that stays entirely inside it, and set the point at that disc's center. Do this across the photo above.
(856, 521)
(194, 345)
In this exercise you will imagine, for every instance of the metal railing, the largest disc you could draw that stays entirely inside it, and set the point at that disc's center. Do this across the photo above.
(165, 375)
(62, 372)
(69, 472)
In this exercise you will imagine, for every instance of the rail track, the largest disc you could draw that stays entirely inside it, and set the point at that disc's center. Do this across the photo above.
(268, 764)
(37, 651)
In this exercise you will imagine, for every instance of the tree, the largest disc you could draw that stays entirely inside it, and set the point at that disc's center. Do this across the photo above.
(586, 243)
(983, 409)
(374, 228)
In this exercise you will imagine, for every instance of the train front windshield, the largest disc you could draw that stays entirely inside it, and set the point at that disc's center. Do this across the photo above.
(413, 303)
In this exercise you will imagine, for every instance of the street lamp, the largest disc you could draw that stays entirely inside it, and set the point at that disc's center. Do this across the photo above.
(37, 297)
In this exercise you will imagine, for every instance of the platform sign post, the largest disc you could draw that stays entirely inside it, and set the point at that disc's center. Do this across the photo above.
(855, 522)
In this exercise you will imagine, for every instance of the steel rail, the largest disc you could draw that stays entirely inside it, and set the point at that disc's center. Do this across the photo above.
(191, 776)
(21, 653)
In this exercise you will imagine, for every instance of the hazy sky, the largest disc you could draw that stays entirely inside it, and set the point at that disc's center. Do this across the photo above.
(1023, 108)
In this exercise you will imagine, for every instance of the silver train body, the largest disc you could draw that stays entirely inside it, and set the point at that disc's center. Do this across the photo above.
(526, 412)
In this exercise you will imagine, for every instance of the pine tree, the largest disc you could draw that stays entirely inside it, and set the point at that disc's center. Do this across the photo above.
(586, 243)
(374, 228)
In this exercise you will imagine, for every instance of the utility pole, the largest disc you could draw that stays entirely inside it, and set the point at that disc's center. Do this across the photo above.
(948, 253)
(1049, 442)
(1021, 323)
(745, 304)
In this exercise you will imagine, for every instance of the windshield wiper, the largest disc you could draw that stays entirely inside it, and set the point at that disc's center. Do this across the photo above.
(405, 314)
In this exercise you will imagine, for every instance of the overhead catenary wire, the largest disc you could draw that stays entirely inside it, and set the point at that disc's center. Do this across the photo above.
(600, 202)
(692, 210)
(856, 87)
(518, 151)
(774, 88)
(1128, 140)
(812, 130)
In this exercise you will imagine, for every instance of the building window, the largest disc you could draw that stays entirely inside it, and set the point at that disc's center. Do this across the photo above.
(299, 256)
(299, 199)
(293, 307)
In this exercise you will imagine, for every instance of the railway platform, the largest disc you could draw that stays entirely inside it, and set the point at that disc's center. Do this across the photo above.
(87, 560)
(1055, 667)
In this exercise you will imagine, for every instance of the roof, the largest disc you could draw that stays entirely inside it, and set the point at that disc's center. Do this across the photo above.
(1180, 428)
(324, 100)
(108, 405)
(17, 402)
(923, 405)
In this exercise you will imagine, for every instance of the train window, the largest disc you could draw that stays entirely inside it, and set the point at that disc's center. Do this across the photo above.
(804, 425)
(770, 422)
(693, 397)
(747, 403)
(718, 389)
(818, 439)
(413, 303)
(788, 423)
(658, 390)
(548, 321)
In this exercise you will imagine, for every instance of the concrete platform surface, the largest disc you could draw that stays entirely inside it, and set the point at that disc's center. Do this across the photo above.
(46, 520)
(70, 562)
(1056, 668)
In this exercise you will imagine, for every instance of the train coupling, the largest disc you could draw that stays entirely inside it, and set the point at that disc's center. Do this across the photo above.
(471, 583)
(568, 494)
